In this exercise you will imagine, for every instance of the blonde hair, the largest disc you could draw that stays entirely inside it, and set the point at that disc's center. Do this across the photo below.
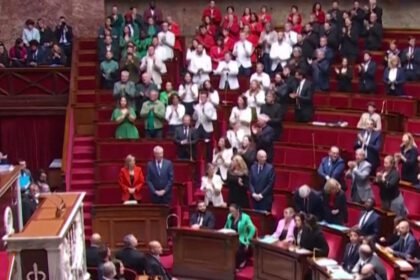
(331, 184)
(393, 59)
(411, 141)
(129, 158)
(239, 164)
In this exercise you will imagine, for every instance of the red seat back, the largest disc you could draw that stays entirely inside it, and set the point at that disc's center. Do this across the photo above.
(412, 202)
(353, 216)
(336, 243)
(280, 202)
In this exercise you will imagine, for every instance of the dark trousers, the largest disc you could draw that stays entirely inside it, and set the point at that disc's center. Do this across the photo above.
(206, 137)
(166, 199)
(189, 108)
(410, 75)
(107, 84)
(241, 255)
(154, 133)
(245, 71)
(263, 205)
(172, 129)
(266, 61)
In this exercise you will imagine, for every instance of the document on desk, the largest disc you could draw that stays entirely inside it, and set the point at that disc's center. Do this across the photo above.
(325, 262)
(268, 239)
(339, 273)
(302, 251)
(226, 230)
(334, 226)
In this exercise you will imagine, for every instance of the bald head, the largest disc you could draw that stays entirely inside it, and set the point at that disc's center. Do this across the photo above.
(95, 239)
(404, 228)
(261, 157)
(130, 241)
(155, 248)
(334, 153)
(365, 251)
(109, 270)
(304, 191)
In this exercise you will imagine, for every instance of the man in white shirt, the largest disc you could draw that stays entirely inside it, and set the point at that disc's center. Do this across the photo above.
(280, 52)
(200, 66)
(243, 50)
(153, 66)
(260, 76)
(204, 115)
(228, 70)
(166, 42)
(30, 33)
(290, 36)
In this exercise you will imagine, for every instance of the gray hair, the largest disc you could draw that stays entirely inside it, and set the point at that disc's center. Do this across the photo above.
(304, 191)
(109, 270)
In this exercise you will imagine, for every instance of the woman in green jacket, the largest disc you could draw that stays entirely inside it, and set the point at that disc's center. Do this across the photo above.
(242, 224)
(125, 117)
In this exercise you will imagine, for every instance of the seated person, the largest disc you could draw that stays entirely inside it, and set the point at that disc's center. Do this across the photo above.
(153, 265)
(186, 139)
(4, 56)
(202, 218)
(57, 56)
(92, 251)
(370, 141)
(344, 76)
(153, 113)
(367, 70)
(125, 88)
(18, 54)
(36, 54)
(42, 182)
(351, 252)
(332, 167)
(242, 224)
(308, 235)
(109, 70)
(30, 202)
(228, 70)
(394, 77)
(125, 117)
(395, 236)
(211, 185)
(406, 247)
(408, 158)
(367, 272)
(308, 202)
(335, 203)
(131, 180)
(30, 33)
(368, 258)
(3, 158)
(104, 258)
(370, 114)
(130, 256)
(285, 226)
(369, 221)
(119, 270)
(359, 171)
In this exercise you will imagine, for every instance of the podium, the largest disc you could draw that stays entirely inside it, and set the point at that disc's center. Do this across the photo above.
(146, 221)
(204, 254)
(275, 262)
(51, 246)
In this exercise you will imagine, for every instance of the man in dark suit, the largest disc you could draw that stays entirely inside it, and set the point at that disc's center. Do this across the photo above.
(332, 166)
(357, 16)
(261, 181)
(186, 138)
(92, 252)
(36, 55)
(309, 202)
(202, 218)
(303, 94)
(374, 9)
(406, 247)
(263, 135)
(310, 41)
(351, 252)
(370, 141)
(160, 176)
(30, 201)
(374, 33)
(153, 12)
(64, 36)
(321, 71)
(274, 111)
(369, 221)
(130, 256)
(367, 74)
(108, 46)
(330, 32)
(410, 60)
(368, 258)
(154, 267)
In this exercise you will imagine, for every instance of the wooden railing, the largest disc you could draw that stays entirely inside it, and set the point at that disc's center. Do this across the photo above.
(34, 81)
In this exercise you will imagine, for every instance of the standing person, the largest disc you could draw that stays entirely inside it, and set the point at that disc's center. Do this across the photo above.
(241, 223)
(332, 166)
(344, 76)
(241, 114)
(370, 141)
(389, 188)
(394, 77)
(247, 150)
(335, 203)
(204, 115)
(410, 60)
(125, 117)
(367, 71)
(303, 97)
(243, 51)
(186, 138)
(30, 32)
(238, 183)
(359, 171)
(222, 157)
(153, 113)
(131, 180)
(261, 182)
(408, 158)
(64, 37)
(286, 226)
(160, 176)
(154, 66)
(369, 221)
(228, 70)
(308, 201)
(125, 88)
(274, 111)
(211, 186)
(363, 122)
(264, 136)
(200, 66)
(188, 91)
(174, 113)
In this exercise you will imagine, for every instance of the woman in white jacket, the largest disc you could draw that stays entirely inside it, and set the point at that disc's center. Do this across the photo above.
(243, 114)
(222, 157)
(175, 111)
(211, 185)
(228, 70)
(255, 96)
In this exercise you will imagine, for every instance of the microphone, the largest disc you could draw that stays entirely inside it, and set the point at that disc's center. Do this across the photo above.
(313, 253)
(190, 144)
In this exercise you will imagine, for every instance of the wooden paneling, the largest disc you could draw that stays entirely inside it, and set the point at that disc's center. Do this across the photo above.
(84, 116)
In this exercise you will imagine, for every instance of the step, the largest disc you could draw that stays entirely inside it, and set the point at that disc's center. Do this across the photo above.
(85, 98)
(87, 69)
(79, 156)
(82, 174)
(247, 273)
(82, 163)
(87, 44)
(82, 185)
(88, 55)
(86, 82)
(88, 140)
(84, 149)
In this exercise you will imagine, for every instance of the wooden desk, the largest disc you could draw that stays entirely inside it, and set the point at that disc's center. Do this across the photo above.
(400, 267)
(335, 272)
(276, 262)
(146, 221)
(204, 254)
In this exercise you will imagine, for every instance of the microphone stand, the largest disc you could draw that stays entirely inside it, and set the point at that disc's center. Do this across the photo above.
(190, 144)
(226, 88)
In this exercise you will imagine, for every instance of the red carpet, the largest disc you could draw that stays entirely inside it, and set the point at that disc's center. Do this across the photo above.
(4, 264)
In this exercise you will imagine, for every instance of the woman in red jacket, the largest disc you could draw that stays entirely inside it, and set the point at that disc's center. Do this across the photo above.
(264, 16)
(131, 180)
(246, 17)
(217, 53)
(318, 12)
(294, 11)
(231, 23)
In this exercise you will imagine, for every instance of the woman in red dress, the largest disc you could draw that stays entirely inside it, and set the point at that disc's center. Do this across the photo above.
(255, 26)
(231, 23)
(294, 10)
(211, 28)
(264, 16)
(296, 26)
(246, 17)
(318, 12)
(217, 53)
(228, 41)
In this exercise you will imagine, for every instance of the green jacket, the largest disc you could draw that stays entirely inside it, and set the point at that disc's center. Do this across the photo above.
(246, 228)
(158, 113)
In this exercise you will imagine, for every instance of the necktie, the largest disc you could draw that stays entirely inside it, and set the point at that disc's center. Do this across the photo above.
(299, 88)
(186, 131)
(305, 205)
(351, 250)
(363, 220)
(200, 219)
(402, 247)
(159, 166)
(259, 168)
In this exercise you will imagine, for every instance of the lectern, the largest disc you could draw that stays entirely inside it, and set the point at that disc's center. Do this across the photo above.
(52, 244)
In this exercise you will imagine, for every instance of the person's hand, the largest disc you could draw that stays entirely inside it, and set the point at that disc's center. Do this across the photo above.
(216, 192)
(260, 196)
(255, 196)
(389, 250)
(240, 182)
(195, 226)
(131, 190)
(360, 68)
(160, 193)
(382, 239)
(184, 142)
(293, 95)
(397, 156)
(255, 129)
(337, 70)
(351, 164)
(335, 211)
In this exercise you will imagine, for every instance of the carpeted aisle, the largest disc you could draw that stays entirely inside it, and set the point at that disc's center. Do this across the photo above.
(4, 264)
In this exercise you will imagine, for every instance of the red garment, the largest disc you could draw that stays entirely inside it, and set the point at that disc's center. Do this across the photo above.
(245, 20)
(290, 18)
(256, 28)
(297, 28)
(212, 30)
(233, 28)
(206, 40)
(174, 28)
(320, 16)
(331, 201)
(217, 54)
(215, 15)
(228, 43)
(125, 183)
(264, 18)
(254, 41)
(13, 52)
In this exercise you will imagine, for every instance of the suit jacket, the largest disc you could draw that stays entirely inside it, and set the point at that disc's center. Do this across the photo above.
(310, 42)
(411, 63)
(377, 264)
(39, 56)
(263, 182)
(128, 90)
(350, 258)
(274, 111)
(184, 151)
(29, 205)
(208, 219)
(311, 239)
(332, 169)
(162, 180)
(410, 168)
(374, 37)
(132, 259)
(350, 43)
(390, 187)
(103, 50)
(396, 87)
(92, 256)
(125, 183)
(340, 204)
(246, 229)
(332, 38)
(370, 227)
(264, 140)
(360, 185)
(204, 115)
(304, 108)
(155, 268)
(65, 30)
(367, 78)
(157, 15)
(321, 75)
(313, 205)
(405, 248)
(373, 147)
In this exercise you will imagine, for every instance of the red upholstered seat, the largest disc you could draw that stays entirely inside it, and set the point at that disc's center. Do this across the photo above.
(415, 228)
(167, 262)
(413, 126)
(336, 243)
(390, 272)
(129, 274)
(353, 216)
(291, 178)
(280, 202)
(298, 156)
(247, 273)
(142, 149)
(412, 201)
(4, 264)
